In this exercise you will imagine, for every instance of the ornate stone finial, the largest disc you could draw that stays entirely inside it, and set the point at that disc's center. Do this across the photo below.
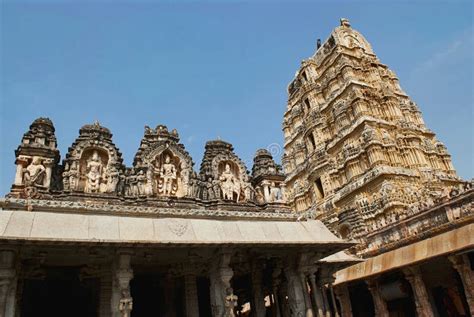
(345, 22)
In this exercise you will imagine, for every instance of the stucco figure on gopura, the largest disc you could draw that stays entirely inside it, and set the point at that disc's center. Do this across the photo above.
(162, 168)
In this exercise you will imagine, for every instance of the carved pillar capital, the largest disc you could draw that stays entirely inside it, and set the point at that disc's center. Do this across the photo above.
(380, 306)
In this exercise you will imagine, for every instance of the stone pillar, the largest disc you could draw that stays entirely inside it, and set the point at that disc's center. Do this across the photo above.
(422, 302)
(462, 265)
(122, 302)
(317, 296)
(333, 300)
(48, 164)
(258, 307)
(380, 306)
(342, 293)
(105, 293)
(266, 191)
(275, 290)
(191, 292)
(220, 288)
(8, 283)
(21, 163)
(307, 298)
(326, 302)
(169, 297)
(283, 299)
(295, 295)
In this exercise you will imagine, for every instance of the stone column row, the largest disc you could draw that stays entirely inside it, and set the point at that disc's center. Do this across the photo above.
(310, 292)
(420, 294)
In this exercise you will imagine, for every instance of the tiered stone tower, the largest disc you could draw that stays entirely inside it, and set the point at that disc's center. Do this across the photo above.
(357, 153)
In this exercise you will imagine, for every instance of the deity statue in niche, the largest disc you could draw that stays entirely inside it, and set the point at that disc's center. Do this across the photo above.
(94, 170)
(34, 173)
(167, 177)
(229, 183)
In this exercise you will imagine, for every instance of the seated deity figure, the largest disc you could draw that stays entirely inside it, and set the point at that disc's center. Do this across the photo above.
(34, 173)
(229, 183)
(94, 173)
(168, 174)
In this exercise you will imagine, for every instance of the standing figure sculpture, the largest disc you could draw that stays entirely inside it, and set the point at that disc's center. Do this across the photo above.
(93, 173)
(229, 184)
(34, 173)
(149, 181)
(113, 179)
(168, 174)
(141, 182)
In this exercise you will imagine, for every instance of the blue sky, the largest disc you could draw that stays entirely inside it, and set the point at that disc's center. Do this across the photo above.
(215, 69)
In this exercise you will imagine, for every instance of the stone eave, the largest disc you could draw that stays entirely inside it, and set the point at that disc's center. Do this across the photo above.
(23, 227)
(453, 241)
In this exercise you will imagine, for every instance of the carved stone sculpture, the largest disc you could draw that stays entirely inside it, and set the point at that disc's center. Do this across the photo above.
(149, 181)
(230, 303)
(229, 184)
(94, 170)
(168, 177)
(113, 177)
(141, 183)
(35, 173)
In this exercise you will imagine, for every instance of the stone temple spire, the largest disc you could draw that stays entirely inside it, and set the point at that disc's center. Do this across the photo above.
(357, 150)
(36, 159)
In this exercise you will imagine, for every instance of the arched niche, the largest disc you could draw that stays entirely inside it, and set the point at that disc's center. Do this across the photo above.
(344, 230)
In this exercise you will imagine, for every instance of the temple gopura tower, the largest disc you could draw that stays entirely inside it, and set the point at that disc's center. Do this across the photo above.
(367, 217)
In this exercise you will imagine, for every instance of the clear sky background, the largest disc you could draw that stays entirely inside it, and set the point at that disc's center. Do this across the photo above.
(215, 69)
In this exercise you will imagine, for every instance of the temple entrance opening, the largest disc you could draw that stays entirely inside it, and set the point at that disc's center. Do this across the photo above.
(60, 293)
